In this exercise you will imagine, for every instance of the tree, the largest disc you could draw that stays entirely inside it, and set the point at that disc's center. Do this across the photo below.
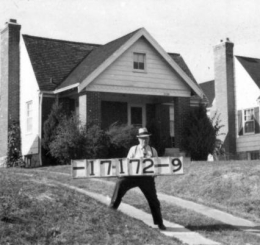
(199, 135)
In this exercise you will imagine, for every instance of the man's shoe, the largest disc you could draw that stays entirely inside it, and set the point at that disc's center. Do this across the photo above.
(162, 227)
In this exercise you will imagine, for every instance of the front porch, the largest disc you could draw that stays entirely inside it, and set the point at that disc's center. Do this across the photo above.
(162, 115)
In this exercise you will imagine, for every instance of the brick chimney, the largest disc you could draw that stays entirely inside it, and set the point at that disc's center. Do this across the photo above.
(225, 93)
(9, 80)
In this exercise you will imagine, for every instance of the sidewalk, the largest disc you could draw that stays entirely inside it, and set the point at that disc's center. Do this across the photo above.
(173, 230)
(239, 223)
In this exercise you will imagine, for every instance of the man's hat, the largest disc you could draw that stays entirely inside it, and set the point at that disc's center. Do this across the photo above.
(143, 133)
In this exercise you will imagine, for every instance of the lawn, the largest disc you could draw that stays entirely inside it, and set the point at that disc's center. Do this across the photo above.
(34, 211)
(233, 187)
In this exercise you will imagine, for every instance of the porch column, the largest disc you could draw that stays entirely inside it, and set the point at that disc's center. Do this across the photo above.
(181, 109)
(83, 108)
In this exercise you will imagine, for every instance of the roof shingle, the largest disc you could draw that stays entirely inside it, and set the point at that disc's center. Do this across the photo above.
(52, 60)
(209, 90)
(97, 57)
(252, 66)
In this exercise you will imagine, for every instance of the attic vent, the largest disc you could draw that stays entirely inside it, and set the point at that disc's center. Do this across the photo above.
(51, 81)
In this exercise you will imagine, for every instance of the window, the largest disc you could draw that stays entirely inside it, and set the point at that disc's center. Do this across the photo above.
(253, 155)
(136, 115)
(139, 61)
(29, 124)
(249, 121)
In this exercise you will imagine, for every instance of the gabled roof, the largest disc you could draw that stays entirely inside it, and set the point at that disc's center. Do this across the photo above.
(252, 66)
(180, 61)
(62, 65)
(98, 60)
(95, 59)
(52, 60)
(209, 90)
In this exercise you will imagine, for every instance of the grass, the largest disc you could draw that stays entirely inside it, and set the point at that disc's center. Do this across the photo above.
(232, 187)
(34, 211)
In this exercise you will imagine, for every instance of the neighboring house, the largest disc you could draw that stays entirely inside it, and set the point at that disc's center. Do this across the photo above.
(235, 95)
(131, 80)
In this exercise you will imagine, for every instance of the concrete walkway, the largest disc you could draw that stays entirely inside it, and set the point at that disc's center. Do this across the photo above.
(173, 230)
(239, 223)
(226, 218)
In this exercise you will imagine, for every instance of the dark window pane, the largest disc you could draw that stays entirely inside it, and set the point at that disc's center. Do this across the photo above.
(136, 116)
(135, 65)
(249, 127)
(141, 66)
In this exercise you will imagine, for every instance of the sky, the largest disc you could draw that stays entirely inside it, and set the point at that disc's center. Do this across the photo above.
(189, 27)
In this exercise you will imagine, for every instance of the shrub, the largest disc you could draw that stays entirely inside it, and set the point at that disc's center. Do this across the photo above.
(122, 137)
(199, 134)
(74, 141)
(97, 143)
(14, 156)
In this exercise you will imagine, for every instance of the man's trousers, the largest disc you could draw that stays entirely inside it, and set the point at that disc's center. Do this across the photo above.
(147, 186)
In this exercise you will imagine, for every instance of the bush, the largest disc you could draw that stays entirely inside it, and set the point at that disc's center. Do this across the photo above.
(199, 135)
(14, 156)
(122, 137)
(97, 143)
(74, 141)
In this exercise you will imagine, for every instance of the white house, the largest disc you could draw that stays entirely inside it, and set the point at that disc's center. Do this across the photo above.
(131, 80)
(235, 95)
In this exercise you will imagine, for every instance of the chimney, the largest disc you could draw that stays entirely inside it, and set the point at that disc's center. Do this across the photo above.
(9, 80)
(225, 94)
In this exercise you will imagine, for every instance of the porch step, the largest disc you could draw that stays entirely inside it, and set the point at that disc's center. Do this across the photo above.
(172, 152)
(175, 152)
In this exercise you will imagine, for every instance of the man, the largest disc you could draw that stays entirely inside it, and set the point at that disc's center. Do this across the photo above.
(145, 183)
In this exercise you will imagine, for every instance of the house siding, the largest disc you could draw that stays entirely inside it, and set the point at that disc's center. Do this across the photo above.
(247, 143)
(158, 77)
(29, 93)
(247, 93)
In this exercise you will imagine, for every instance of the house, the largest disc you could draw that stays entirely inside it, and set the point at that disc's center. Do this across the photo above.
(235, 95)
(131, 80)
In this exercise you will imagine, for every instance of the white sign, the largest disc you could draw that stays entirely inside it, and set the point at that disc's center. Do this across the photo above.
(98, 168)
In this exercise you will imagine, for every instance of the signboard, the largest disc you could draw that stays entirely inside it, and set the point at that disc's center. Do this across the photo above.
(98, 168)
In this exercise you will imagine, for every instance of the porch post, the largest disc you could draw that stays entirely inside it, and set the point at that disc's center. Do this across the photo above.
(83, 108)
